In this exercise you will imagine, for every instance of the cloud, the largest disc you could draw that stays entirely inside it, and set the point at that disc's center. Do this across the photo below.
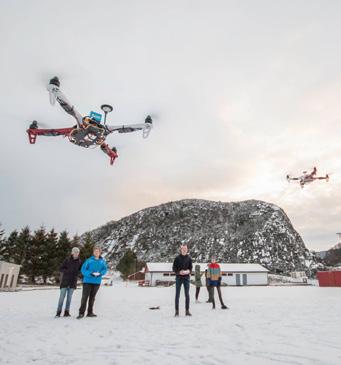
(241, 95)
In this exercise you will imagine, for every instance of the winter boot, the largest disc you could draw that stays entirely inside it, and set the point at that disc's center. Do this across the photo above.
(176, 313)
(188, 313)
(224, 307)
(80, 316)
(91, 315)
(58, 313)
(66, 313)
(55, 81)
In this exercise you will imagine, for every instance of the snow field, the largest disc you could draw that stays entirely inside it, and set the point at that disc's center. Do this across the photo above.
(265, 325)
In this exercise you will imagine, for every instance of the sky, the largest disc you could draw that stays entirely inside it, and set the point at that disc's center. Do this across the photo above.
(241, 93)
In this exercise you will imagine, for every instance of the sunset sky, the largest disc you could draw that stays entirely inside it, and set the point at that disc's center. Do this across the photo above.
(241, 92)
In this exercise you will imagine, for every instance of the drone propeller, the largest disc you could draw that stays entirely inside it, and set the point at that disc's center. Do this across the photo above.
(35, 125)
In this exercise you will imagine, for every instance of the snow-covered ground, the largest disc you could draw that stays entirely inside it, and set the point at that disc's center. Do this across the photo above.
(265, 325)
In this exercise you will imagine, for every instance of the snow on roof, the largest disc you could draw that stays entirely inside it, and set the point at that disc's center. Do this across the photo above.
(167, 267)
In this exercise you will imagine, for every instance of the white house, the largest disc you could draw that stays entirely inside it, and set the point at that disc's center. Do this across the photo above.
(232, 274)
(9, 274)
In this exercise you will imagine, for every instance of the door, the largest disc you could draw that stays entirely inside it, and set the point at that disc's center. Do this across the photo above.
(244, 279)
(238, 279)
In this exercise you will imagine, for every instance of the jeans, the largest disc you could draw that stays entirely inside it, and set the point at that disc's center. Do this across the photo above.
(89, 292)
(185, 281)
(68, 292)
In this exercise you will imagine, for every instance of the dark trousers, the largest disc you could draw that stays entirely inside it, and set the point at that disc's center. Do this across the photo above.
(89, 292)
(197, 291)
(185, 281)
(212, 295)
(209, 291)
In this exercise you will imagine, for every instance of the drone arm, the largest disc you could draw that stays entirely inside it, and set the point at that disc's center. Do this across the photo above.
(56, 94)
(128, 128)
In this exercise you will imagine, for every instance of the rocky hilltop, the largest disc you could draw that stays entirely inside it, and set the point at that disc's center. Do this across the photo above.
(248, 231)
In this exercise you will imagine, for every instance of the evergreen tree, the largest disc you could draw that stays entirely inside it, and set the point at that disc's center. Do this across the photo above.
(128, 264)
(36, 254)
(63, 250)
(88, 247)
(49, 262)
(63, 247)
(76, 241)
(21, 249)
(8, 247)
(3, 245)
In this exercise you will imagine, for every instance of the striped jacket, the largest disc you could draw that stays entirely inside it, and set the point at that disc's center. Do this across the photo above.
(214, 274)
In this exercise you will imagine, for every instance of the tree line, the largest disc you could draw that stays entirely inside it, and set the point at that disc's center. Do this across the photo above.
(40, 253)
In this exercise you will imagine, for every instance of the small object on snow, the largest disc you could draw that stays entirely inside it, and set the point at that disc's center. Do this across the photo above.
(154, 308)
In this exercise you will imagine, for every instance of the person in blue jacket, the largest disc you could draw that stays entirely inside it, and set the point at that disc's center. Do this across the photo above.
(93, 269)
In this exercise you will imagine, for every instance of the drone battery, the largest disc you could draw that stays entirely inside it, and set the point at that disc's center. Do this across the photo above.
(96, 116)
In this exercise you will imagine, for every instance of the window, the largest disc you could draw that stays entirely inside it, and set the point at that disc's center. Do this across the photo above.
(230, 274)
(12, 280)
(1, 280)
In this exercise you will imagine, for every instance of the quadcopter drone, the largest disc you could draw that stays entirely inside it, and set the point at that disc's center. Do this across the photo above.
(89, 130)
(308, 178)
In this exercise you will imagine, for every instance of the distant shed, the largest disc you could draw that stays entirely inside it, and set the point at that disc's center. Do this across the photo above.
(329, 278)
(9, 274)
(232, 274)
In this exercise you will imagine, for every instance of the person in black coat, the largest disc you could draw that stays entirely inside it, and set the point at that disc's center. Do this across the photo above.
(69, 269)
(182, 267)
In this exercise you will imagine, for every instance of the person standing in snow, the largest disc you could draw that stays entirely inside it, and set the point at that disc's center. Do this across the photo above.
(214, 277)
(69, 269)
(93, 269)
(182, 267)
(197, 281)
(207, 283)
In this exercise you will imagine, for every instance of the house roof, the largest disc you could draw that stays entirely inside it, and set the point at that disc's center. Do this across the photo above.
(167, 267)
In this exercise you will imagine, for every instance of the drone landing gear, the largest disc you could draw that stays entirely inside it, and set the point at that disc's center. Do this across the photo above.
(111, 152)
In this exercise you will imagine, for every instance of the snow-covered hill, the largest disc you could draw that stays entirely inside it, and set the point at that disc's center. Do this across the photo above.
(247, 231)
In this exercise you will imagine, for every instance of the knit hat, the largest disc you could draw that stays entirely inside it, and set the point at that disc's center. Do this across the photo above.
(75, 250)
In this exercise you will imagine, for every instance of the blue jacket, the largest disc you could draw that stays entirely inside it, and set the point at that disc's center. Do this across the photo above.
(92, 265)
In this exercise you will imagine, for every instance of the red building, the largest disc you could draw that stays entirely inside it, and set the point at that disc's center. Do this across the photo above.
(329, 278)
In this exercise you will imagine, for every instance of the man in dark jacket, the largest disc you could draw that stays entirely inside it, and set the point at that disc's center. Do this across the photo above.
(70, 270)
(182, 267)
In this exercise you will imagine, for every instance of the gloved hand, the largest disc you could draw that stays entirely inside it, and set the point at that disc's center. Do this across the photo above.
(184, 272)
(95, 274)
